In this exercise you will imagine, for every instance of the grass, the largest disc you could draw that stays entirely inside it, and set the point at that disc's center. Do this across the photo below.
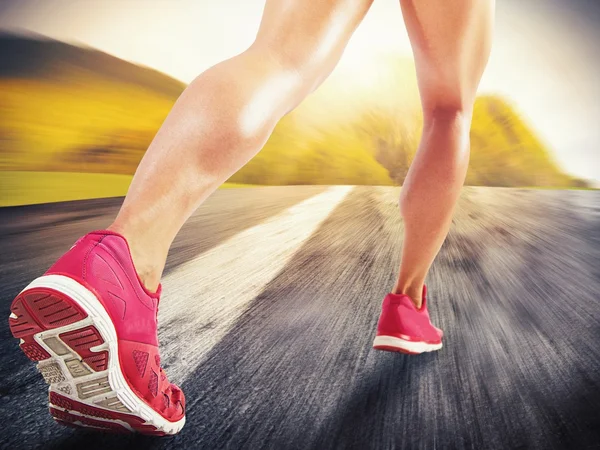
(28, 188)
(560, 188)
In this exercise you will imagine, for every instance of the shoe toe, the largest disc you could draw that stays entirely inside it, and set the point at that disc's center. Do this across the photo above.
(176, 403)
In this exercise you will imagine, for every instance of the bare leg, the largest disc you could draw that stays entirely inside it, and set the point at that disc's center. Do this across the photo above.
(451, 41)
(224, 118)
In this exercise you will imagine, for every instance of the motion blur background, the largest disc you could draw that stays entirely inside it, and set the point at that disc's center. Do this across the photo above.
(85, 84)
(281, 285)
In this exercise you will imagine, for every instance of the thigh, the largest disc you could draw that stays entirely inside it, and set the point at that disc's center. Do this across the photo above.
(309, 35)
(451, 41)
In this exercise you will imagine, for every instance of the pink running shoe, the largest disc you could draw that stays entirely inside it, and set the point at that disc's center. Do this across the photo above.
(404, 328)
(92, 327)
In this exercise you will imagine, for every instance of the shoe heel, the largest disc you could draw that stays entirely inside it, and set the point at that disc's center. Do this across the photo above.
(65, 329)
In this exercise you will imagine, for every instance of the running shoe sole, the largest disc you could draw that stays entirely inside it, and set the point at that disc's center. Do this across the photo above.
(394, 344)
(65, 329)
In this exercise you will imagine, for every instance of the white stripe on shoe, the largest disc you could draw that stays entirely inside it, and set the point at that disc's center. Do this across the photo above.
(401, 344)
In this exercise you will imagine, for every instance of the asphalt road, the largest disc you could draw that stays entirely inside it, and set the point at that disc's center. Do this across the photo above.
(270, 302)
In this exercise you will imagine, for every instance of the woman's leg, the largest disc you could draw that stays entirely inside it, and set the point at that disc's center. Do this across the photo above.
(224, 118)
(451, 41)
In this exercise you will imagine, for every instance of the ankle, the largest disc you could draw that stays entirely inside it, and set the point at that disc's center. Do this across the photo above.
(148, 261)
(415, 292)
(148, 272)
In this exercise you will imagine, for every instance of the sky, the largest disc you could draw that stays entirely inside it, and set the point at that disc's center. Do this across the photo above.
(545, 58)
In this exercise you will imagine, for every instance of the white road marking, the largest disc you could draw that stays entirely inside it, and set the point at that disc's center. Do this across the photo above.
(204, 297)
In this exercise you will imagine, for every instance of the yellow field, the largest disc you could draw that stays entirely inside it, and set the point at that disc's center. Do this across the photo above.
(28, 188)
(78, 131)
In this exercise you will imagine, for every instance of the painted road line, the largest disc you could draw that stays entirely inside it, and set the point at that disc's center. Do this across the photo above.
(204, 297)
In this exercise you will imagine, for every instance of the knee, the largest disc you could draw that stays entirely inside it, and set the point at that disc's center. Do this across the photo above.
(450, 124)
(446, 129)
(456, 115)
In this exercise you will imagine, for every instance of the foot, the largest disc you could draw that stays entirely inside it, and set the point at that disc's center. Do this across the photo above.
(405, 328)
(92, 327)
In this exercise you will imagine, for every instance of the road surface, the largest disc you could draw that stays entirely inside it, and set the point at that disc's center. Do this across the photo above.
(269, 308)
